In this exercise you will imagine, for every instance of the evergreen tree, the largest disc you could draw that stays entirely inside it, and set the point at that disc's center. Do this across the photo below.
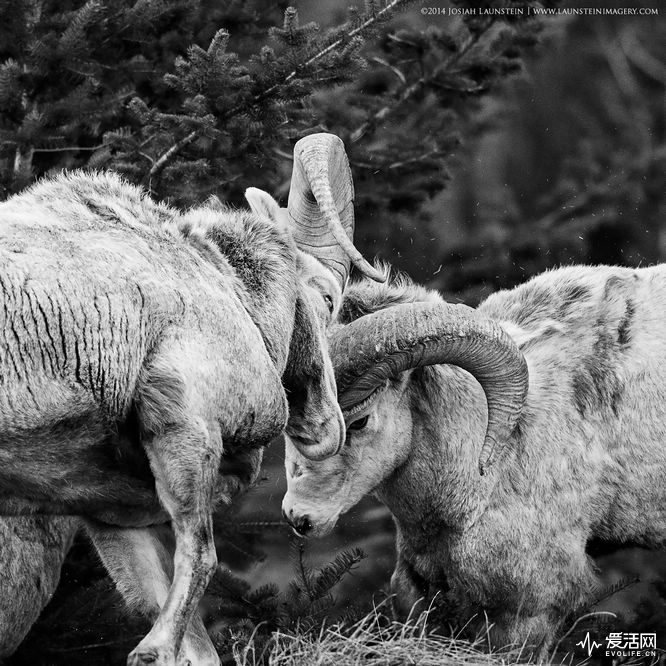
(113, 85)
(67, 72)
(239, 117)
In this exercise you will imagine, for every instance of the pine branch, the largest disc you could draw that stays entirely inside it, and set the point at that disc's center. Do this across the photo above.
(331, 47)
(613, 589)
(62, 149)
(171, 153)
(330, 575)
(412, 90)
(93, 646)
(302, 570)
(260, 525)
(407, 94)
(163, 161)
(419, 159)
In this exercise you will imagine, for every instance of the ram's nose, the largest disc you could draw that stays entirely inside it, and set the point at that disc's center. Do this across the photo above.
(300, 524)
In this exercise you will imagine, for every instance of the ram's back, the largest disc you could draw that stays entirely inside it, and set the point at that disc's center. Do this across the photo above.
(89, 279)
(594, 428)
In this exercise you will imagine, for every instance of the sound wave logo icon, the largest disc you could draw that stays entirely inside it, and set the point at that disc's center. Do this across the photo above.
(589, 645)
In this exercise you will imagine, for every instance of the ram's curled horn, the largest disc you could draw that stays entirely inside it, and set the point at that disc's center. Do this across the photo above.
(371, 349)
(321, 206)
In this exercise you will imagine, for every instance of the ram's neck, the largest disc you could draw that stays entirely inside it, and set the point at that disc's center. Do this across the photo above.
(263, 263)
(439, 487)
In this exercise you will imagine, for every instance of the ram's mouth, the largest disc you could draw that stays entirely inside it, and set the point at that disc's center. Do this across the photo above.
(305, 525)
(322, 529)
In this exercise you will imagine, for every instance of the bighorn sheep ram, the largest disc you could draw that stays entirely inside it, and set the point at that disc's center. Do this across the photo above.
(148, 356)
(579, 455)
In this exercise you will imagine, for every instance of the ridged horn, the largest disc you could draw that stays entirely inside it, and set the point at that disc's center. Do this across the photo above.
(321, 206)
(380, 345)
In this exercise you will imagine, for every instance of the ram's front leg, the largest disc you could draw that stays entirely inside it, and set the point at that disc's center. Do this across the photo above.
(409, 591)
(140, 562)
(185, 461)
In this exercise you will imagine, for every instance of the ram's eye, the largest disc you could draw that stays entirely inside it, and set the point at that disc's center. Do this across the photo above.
(358, 425)
(329, 303)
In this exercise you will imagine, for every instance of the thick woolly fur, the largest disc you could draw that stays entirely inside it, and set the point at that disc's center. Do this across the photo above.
(587, 460)
(140, 343)
(32, 552)
(115, 308)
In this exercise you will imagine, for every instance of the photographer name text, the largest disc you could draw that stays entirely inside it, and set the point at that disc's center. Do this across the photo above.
(539, 11)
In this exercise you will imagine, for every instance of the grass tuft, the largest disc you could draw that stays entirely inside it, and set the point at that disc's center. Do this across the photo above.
(372, 641)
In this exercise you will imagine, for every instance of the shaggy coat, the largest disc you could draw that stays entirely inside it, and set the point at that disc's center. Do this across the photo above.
(141, 373)
(32, 550)
(587, 460)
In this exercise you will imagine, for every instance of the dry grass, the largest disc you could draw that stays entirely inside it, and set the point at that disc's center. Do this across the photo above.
(372, 641)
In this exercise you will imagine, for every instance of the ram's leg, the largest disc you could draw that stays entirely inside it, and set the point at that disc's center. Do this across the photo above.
(32, 550)
(185, 461)
(409, 591)
(140, 561)
(556, 578)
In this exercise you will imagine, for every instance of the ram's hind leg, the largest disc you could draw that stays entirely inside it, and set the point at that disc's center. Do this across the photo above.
(185, 461)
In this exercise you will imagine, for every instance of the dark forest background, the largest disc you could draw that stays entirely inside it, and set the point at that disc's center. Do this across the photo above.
(484, 150)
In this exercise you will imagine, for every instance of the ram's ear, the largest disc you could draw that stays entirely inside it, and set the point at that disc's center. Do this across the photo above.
(262, 204)
(315, 424)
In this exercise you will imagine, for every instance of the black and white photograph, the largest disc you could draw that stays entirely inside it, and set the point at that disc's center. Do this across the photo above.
(332, 332)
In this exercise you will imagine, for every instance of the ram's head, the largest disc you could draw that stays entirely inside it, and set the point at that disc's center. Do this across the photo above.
(374, 357)
(320, 219)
